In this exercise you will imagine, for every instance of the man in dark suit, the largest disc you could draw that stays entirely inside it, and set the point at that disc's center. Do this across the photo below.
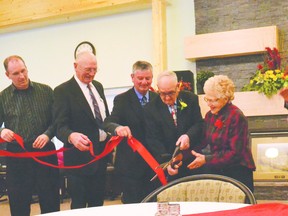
(172, 119)
(78, 123)
(127, 119)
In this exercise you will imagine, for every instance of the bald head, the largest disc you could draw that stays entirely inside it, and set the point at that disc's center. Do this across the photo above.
(85, 67)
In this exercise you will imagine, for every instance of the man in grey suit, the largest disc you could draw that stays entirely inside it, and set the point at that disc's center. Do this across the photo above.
(79, 123)
(172, 119)
(127, 119)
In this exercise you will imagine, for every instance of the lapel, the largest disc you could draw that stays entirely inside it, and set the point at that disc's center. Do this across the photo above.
(166, 114)
(181, 116)
(100, 90)
(137, 108)
(79, 98)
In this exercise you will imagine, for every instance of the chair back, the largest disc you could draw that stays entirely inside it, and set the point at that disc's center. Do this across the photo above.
(205, 188)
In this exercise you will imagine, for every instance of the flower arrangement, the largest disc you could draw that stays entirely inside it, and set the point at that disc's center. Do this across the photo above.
(184, 86)
(270, 77)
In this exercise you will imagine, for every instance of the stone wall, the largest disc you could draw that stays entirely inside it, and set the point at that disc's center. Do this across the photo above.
(226, 15)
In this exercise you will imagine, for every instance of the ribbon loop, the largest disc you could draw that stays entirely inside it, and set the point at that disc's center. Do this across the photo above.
(110, 145)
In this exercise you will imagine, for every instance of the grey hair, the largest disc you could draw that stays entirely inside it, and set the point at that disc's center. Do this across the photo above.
(221, 85)
(171, 74)
(141, 65)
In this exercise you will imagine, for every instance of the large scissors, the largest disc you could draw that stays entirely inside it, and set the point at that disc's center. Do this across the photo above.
(164, 166)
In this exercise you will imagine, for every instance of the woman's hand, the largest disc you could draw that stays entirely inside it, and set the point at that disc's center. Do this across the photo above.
(198, 161)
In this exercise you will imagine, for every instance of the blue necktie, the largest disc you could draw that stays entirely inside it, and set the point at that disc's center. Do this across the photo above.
(144, 101)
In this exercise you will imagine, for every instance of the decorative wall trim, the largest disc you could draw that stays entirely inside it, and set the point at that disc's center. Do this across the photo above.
(231, 43)
(253, 104)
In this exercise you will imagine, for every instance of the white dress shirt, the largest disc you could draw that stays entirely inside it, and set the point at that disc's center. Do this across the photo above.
(85, 90)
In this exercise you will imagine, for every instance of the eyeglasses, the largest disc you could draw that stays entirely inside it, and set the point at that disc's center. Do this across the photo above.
(89, 70)
(211, 101)
(169, 94)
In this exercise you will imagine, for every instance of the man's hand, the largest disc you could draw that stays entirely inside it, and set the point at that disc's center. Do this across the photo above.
(80, 141)
(40, 141)
(183, 141)
(172, 171)
(198, 161)
(123, 131)
(7, 135)
(176, 162)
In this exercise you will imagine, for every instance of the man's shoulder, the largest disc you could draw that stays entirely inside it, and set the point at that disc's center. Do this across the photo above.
(42, 86)
(7, 92)
(64, 84)
(8, 88)
(97, 83)
(188, 94)
(126, 94)
(154, 103)
(153, 94)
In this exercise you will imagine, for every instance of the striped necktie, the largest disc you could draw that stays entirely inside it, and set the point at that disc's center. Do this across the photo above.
(95, 106)
(144, 101)
(173, 113)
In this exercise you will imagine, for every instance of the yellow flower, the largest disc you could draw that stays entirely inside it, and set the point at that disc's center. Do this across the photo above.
(269, 77)
(183, 105)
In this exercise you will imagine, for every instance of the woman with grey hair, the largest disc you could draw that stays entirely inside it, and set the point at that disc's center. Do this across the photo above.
(225, 146)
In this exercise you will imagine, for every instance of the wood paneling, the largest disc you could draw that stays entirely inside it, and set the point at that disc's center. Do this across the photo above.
(22, 14)
(231, 43)
(159, 36)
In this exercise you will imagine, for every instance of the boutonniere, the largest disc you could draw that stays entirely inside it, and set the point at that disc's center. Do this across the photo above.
(219, 124)
(183, 105)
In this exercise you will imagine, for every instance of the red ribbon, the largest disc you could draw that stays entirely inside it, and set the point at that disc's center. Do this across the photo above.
(110, 145)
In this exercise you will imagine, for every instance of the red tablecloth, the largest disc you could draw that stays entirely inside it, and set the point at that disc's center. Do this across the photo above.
(265, 209)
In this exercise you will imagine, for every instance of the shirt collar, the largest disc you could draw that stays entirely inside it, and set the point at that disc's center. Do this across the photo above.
(224, 108)
(140, 95)
(80, 83)
(30, 86)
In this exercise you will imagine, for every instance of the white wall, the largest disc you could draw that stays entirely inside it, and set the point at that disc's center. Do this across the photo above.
(120, 40)
(180, 24)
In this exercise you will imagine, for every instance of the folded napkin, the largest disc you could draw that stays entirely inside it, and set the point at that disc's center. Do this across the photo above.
(265, 209)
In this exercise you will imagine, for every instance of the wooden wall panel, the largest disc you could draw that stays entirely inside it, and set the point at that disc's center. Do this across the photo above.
(21, 14)
(231, 43)
(253, 103)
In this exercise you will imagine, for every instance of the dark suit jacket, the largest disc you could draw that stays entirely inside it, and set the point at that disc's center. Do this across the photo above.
(162, 134)
(127, 111)
(72, 113)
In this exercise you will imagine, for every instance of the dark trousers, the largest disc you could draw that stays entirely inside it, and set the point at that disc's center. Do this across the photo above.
(240, 173)
(26, 177)
(87, 190)
(134, 190)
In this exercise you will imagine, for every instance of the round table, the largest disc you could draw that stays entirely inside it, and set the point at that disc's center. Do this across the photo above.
(147, 209)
